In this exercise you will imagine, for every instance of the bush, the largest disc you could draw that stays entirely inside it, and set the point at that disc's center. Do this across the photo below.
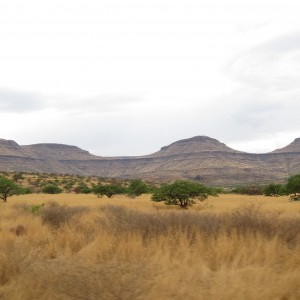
(249, 190)
(56, 215)
(82, 188)
(18, 176)
(137, 187)
(274, 190)
(52, 189)
(295, 197)
(24, 191)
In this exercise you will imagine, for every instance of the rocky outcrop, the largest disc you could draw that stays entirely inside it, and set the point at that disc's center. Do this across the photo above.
(199, 158)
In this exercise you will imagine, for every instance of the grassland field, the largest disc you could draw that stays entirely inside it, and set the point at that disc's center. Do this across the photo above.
(83, 247)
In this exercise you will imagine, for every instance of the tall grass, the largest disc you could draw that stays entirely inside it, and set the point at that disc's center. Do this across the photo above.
(121, 252)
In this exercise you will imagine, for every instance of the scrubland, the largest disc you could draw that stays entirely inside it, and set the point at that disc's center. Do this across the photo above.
(84, 247)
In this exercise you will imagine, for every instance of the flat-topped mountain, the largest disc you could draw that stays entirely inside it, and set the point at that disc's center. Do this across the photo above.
(196, 144)
(199, 158)
(58, 152)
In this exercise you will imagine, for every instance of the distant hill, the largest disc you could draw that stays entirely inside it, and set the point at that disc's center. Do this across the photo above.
(199, 158)
(293, 147)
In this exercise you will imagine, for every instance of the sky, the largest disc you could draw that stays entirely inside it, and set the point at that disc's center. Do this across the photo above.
(126, 77)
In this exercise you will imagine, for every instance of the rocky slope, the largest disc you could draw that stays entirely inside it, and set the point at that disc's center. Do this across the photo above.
(198, 158)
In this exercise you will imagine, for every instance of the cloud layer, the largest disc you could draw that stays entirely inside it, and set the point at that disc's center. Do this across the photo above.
(125, 78)
(16, 101)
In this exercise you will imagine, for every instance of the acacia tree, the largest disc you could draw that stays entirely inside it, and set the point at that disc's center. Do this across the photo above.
(274, 190)
(108, 190)
(293, 187)
(182, 193)
(7, 188)
(137, 187)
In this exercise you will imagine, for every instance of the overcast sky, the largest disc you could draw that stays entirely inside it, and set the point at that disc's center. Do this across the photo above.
(126, 77)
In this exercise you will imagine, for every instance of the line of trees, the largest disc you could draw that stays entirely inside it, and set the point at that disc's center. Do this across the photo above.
(292, 188)
(9, 187)
(182, 193)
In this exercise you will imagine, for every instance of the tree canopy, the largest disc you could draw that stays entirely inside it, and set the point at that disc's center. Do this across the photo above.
(182, 193)
(274, 190)
(293, 187)
(137, 187)
(108, 190)
(7, 188)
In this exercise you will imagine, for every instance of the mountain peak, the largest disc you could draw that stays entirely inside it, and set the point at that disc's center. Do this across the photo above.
(58, 151)
(291, 148)
(8, 143)
(195, 144)
(10, 147)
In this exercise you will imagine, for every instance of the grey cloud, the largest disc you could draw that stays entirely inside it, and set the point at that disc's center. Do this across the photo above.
(20, 101)
(249, 113)
(274, 65)
(16, 101)
(113, 102)
(96, 105)
(267, 102)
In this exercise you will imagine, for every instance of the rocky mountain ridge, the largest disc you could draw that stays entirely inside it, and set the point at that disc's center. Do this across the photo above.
(199, 158)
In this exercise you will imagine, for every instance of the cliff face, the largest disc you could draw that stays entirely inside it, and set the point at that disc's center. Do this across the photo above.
(199, 158)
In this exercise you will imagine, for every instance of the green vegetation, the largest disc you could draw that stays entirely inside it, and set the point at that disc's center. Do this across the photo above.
(52, 189)
(249, 190)
(34, 208)
(108, 190)
(137, 187)
(82, 188)
(7, 188)
(275, 190)
(293, 187)
(16, 183)
(182, 193)
(24, 190)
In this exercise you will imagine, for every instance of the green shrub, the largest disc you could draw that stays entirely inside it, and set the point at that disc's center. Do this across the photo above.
(52, 189)
(82, 188)
(249, 190)
(34, 208)
(137, 187)
(24, 190)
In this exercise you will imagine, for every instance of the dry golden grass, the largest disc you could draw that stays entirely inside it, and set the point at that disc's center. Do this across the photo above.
(83, 247)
